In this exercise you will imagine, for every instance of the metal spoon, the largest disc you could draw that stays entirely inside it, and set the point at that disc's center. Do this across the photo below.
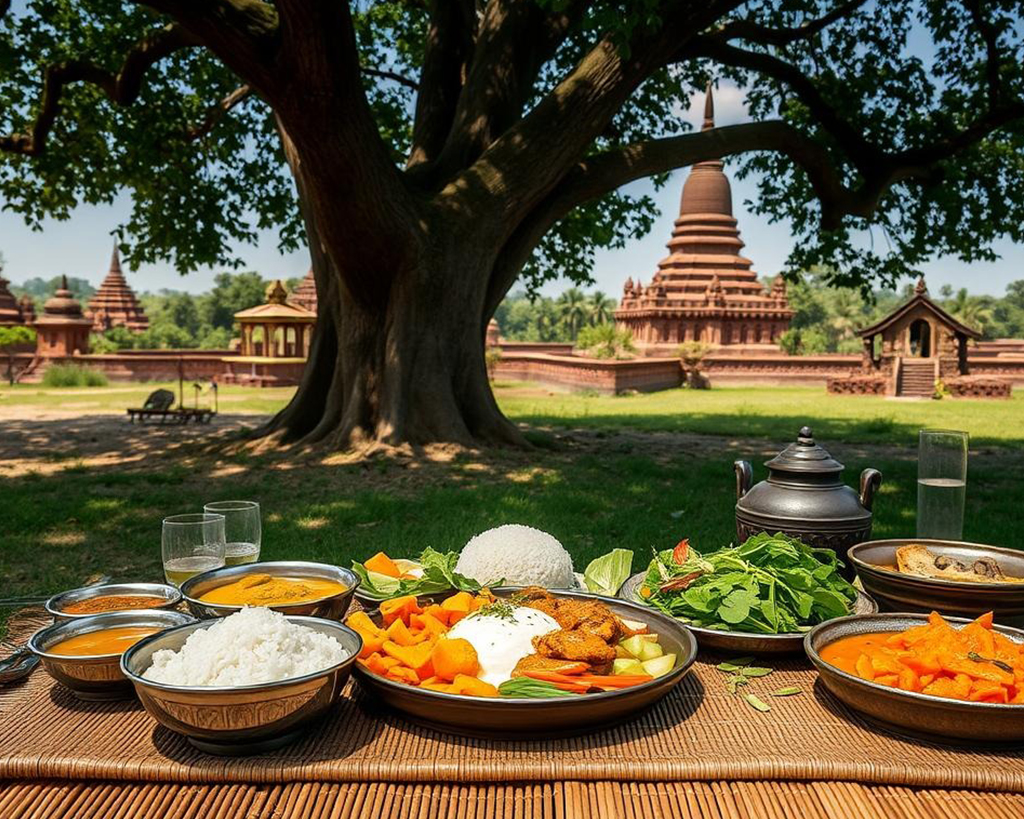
(22, 662)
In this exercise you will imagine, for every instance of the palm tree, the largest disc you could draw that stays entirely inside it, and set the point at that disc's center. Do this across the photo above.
(601, 308)
(847, 313)
(969, 310)
(572, 306)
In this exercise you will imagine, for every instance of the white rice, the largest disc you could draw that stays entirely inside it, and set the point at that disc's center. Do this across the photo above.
(521, 555)
(254, 645)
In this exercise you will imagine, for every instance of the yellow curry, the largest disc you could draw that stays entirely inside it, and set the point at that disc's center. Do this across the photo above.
(267, 590)
(106, 641)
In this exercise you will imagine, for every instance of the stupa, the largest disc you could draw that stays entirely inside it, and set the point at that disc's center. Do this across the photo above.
(10, 309)
(62, 329)
(704, 290)
(305, 294)
(114, 304)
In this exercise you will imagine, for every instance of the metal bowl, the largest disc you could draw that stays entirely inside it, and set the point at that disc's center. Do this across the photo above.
(240, 720)
(905, 710)
(520, 718)
(902, 592)
(743, 642)
(55, 605)
(332, 608)
(96, 677)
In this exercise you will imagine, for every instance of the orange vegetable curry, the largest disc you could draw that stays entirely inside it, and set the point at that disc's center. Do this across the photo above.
(974, 663)
(106, 641)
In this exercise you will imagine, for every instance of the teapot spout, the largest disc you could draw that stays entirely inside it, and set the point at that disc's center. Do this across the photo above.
(744, 477)
(870, 480)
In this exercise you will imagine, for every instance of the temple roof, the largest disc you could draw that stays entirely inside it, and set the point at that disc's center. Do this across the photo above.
(704, 269)
(305, 294)
(920, 297)
(115, 304)
(62, 308)
(9, 312)
(277, 308)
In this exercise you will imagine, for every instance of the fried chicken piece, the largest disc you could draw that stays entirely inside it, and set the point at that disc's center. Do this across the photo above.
(531, 593)
(534, 662)
(586, 615)
(575, 645)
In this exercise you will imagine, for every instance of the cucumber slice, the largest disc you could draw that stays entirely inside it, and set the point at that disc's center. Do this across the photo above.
(627, 666)
(650, 650)
(659, 666)
(633, 645)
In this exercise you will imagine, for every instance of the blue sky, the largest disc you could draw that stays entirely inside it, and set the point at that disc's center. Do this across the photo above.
(81, 246)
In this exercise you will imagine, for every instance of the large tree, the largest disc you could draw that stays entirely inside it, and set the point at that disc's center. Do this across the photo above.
(441, 149)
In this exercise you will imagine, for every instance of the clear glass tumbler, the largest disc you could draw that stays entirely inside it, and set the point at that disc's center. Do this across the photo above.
(191, 545)
(941, 483)
(242, 528)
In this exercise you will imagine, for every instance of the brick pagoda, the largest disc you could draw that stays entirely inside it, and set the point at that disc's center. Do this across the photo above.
(114, 304)
(704, 290)
(62, 330)
(14, 312)
(305, 294)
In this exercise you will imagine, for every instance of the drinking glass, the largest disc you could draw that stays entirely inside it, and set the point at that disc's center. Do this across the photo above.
(242, 529)
(941, 483)
(192, 544)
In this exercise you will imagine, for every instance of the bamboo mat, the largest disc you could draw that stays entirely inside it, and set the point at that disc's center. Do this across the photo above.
(577, 800)
(698, 733)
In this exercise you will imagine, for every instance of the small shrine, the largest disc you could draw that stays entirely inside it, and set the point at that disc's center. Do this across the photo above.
(704, 290)
(14, 312)
(115, 304)
(305, 294)
(62, 329)
(916, 346)
(275, 340)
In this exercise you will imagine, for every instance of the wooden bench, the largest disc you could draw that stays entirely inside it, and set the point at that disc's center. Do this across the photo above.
(158, 405)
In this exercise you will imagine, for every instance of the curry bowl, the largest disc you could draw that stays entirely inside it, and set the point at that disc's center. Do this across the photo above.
(96, 676)
(240, 720)
(875, 563)
(743, 642)
(331, 607)
(515, 718)
(906, 711)
(56, 605)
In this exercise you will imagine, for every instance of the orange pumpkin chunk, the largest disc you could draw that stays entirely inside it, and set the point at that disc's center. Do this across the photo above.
(382, 564)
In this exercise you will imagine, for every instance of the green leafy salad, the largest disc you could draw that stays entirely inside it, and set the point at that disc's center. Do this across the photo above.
(436, 572)
(771, 584)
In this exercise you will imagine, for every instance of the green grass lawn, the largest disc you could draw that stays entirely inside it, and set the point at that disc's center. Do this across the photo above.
(598, 487)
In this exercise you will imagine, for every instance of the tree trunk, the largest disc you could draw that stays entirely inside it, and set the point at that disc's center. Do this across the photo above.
(410, 372)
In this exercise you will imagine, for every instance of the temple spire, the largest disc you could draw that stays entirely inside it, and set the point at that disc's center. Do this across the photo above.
(115, 259)
(709, 109)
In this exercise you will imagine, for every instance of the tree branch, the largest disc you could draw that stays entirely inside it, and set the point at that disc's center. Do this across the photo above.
(859, 150)
(121, 88)
(765, 35)
(217, 112)
(394, 76)
(990, 36)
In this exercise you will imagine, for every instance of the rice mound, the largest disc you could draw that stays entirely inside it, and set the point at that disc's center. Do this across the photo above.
(521, 555)
(253, 645)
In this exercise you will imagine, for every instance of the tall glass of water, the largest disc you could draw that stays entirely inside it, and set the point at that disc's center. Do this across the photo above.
(191, 545)
(941, 484)
(243, 530)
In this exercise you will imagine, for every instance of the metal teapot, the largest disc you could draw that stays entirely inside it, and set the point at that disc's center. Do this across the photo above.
(804, 497)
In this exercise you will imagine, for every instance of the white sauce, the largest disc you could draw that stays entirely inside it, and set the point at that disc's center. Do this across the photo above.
(500, 642)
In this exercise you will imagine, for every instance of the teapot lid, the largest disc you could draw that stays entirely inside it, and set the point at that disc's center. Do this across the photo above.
(804, 456)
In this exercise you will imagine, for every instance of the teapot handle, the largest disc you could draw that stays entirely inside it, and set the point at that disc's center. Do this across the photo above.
(870, 479)
(744, 477)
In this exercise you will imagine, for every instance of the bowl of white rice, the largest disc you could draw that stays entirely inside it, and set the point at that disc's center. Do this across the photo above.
(242, 684)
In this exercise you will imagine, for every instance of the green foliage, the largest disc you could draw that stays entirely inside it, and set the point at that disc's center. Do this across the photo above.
(73, 375)
(11, 337)
(525, 317)
(606, 341)
(40, 289)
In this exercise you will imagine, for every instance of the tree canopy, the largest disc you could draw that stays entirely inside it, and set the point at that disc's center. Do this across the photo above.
(886, 131)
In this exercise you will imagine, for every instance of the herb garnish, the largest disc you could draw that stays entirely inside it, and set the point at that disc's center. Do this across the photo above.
(532, 689)
(502, 609)
(771, 584)
(974, 655)
(741, 672)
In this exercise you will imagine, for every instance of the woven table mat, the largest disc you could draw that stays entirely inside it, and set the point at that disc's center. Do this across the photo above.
(698, 733)
(578, 800)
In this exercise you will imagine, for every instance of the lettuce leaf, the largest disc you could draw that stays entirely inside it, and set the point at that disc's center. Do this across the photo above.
(606, 574)
(438, 575)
